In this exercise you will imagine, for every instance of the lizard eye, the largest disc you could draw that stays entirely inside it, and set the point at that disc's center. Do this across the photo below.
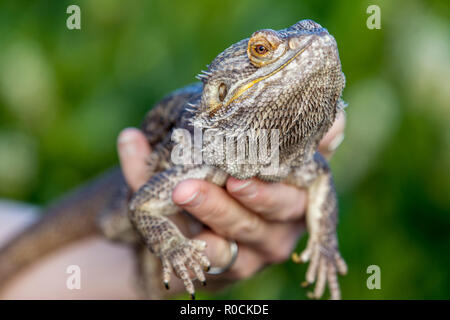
(222, 91)
(260, 49)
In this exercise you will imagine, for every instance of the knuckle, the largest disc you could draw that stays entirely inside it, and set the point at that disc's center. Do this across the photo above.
(215, 207)
(294, 211)
(266, 196)
(267, 203)
(287, 212)
(273, 200)
(293, 207)
(209, 212)
(249, 226)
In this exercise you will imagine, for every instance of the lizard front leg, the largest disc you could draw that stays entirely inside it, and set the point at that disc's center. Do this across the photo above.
(322, 249)
(149, 209)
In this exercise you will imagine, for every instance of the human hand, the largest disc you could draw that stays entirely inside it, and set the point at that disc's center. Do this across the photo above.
(245, 211)
(230, 214)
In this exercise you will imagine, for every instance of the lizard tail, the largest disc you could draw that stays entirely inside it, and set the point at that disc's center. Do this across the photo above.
(71, 218)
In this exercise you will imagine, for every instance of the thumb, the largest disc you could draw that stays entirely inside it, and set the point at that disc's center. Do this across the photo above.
(133, 150)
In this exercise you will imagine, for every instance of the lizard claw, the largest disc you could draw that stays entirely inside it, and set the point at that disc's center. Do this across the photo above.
(186, 257)
(325, 263)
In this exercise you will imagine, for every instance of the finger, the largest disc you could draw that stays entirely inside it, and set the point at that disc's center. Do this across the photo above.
(274, 201)
(213, 206)
(247, 262)
(334, 136)
(133, 151)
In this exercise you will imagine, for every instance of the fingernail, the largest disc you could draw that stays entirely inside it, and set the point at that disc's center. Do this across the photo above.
(247, 189)
(193, 200)
(242, 186)
(335, 143)
(126, 145)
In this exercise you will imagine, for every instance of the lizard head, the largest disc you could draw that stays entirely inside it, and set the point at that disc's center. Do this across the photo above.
(289, 80)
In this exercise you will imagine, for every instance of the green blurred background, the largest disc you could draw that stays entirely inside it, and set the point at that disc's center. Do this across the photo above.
(66, 94)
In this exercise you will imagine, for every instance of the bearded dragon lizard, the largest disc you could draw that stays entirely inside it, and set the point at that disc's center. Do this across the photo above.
(289, 81)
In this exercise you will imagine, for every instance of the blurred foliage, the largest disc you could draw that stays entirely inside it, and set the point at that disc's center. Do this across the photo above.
(66, 94)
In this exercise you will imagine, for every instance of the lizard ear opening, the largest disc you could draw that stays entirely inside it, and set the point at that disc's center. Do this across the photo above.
(222, 91)
(261, 47)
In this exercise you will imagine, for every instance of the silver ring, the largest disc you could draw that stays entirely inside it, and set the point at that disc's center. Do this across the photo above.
(234, 249)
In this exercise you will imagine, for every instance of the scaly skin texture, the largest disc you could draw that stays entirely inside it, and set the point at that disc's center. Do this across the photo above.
(288, 80)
